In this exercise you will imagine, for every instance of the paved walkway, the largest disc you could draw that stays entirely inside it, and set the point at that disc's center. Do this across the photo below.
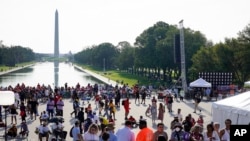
(99, 77)
(136, 110)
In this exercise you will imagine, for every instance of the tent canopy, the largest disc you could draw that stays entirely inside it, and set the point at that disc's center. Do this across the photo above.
(236, 108)
(200, 83)
(247, 83)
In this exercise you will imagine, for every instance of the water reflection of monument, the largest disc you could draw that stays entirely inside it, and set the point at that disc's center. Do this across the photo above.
(56, 50)
(56, 73)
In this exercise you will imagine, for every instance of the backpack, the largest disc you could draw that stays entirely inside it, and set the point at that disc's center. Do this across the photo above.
(71, 132)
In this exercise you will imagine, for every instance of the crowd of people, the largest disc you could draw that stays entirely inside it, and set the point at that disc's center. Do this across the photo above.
(98, 122)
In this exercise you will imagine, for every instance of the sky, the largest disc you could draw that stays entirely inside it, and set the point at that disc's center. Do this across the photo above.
(84, 23)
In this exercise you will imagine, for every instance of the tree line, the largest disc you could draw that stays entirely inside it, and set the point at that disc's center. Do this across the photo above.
(153, 54)
(10, 56)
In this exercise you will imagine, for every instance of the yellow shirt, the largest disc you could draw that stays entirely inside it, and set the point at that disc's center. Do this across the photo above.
(111, 105)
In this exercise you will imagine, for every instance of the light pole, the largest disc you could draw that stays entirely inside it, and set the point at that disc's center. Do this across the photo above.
(183, 62)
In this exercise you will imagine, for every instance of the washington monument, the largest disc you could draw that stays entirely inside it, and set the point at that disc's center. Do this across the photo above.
(56, 39)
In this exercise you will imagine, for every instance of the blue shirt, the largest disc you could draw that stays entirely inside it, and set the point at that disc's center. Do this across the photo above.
(75, 132)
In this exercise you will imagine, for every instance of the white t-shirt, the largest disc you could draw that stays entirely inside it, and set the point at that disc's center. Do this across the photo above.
(225, 136)
(43, 129)
(59, 126)
(90, 137)
(179, 116)
(44, 116)
(214, 135)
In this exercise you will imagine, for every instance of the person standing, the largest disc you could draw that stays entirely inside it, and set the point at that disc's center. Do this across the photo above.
(80, 117)
(170, 103)
(161, 112)
(112, 108)
(13, 113)
(125, 133)
(75, 107)
(211, 134)
(143, 96)
(179, 115)
(225, 133)
(34, 107)
(23, 111)
(50, 107)
(110, 130)
(178, 133)
(196, 134)
(208, 94)
(145, 134)
(59, 106)
(153, 113)
(197, 100)
(174, 122)
(160, 134)
(76, 132)
(92, 133)
(126, 107)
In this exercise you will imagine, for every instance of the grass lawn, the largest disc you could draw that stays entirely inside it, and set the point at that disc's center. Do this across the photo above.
(121, 76)
(6, 68)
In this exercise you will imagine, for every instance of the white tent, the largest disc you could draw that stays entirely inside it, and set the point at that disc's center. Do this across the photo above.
(247, 83)
(236, 108)
(200, 83)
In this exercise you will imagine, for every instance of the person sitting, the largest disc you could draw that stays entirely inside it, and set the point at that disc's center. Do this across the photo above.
(44, 117)
(133, 121)
(12, 132)
(44, 131)
(2, 124)
(57, 129)
(24, 129)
